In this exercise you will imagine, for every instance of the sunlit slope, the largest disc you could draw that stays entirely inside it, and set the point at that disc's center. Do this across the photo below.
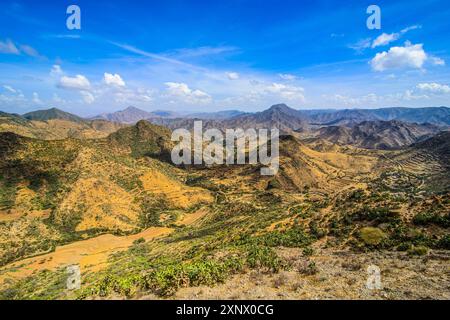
(61, 191)
(56, 126)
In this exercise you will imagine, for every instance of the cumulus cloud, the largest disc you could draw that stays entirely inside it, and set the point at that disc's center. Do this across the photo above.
(79, 82)
(409, 56)
(232, 75)
(287, 92)
(113, 80)
(409, 95)
(186, 94)
(434, 88)
(129, 96)
(87, 97)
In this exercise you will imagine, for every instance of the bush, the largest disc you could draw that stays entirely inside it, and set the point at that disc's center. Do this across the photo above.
(306, 267)
(372, 236)
(139, 241)
(418, 251)
(444, 242)
(292, 238)
(424, 219)
(263, 258)
(379, 215)
(307, 252)
(404, 247)
(167, 280)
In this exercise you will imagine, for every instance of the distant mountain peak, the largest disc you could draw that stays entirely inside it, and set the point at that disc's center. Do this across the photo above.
(280, 107)
(131, 115)
(132, 109)
(52, 114)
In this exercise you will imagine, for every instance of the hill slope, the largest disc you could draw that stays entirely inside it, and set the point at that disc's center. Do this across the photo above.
(378, 134)
(52, 114)
(55, 125)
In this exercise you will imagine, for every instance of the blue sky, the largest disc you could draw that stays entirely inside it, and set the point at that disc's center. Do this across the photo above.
(215, 55)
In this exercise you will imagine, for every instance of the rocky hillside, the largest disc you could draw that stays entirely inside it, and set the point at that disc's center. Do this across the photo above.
(55, 124)
(378, 134)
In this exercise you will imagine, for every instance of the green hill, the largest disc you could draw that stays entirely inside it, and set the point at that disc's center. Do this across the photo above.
(52, 114)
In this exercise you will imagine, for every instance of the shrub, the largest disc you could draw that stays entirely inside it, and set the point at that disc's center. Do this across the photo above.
(444, 242)
(379, 215)
(139, 241)
(307, 252)
(404, 247)
(291, 238)
(263, 258)
(424, 219)
(305, 267)
(372, 236)
(418, 251)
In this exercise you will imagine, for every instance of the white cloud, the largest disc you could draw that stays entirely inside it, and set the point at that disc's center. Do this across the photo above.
(129, 96)
(384, 39)
(407, 29)
(409, 56)
(437, 61)
(10, 89)
(8, 47)
(232, 75)
(346, 101)
(287, 77)
(113, 80)
(361, 45)
(184, 93)
(434, 88)
(410, 95)
(30, 51)
(287, 92)
(56, 70)
(57, 99)
(87, 97)
(36, 98)
(78, 82)
(202, 51)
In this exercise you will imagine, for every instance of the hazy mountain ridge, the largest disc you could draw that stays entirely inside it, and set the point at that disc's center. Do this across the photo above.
(378, 134)
(54, 124)
(293, 119)
(130, 115)
(434, 115)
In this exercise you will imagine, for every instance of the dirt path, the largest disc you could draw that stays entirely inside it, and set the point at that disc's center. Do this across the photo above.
(191, 218)
(91, 255)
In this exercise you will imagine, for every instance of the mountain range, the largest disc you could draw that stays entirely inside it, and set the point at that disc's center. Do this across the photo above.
(372, 129)
(139, 225)
(292, 118)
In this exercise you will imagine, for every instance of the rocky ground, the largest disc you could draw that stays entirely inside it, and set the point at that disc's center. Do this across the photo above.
(337, 275)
